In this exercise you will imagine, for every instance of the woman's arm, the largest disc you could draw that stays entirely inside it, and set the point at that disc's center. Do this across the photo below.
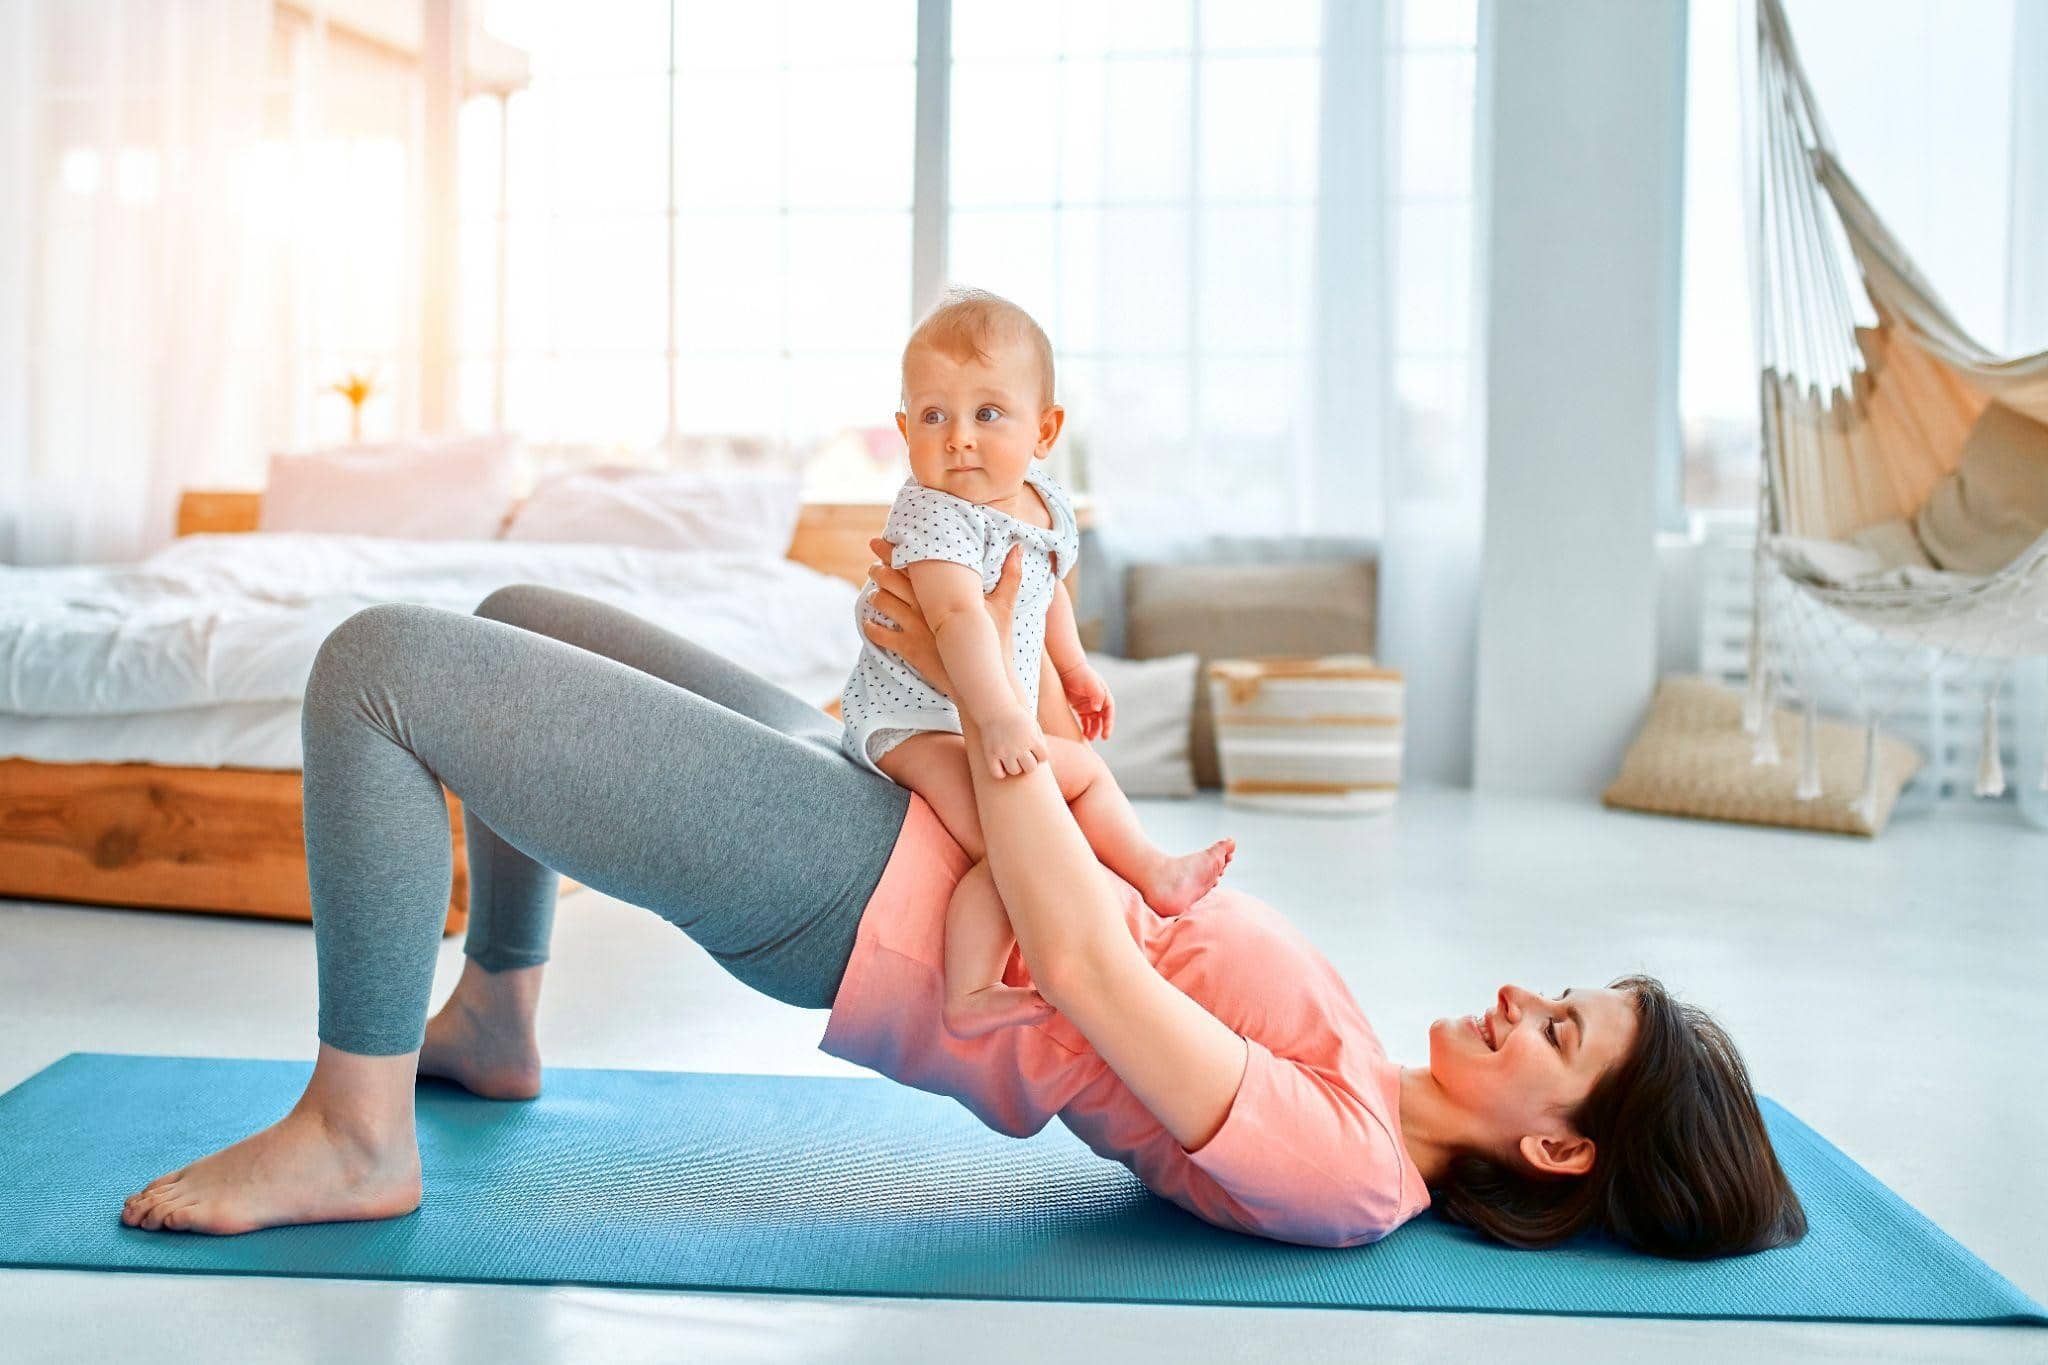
(1182, 1062)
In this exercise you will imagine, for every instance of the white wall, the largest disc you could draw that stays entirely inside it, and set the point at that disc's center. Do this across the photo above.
(2026, 305)
(1582, 221)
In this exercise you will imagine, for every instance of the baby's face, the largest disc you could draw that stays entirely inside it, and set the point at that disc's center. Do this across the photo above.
(973, 428)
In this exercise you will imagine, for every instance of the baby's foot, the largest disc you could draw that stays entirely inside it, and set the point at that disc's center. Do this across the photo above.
(299, 1170)
(1182, 881)
(994, 1007)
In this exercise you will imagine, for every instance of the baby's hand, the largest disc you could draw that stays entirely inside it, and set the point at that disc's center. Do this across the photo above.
(1089, 695)
(1013, 744)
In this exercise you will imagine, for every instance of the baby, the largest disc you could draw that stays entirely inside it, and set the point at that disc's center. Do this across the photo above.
(977, 415)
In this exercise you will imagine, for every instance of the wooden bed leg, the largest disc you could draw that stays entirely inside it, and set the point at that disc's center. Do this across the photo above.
(224, 840)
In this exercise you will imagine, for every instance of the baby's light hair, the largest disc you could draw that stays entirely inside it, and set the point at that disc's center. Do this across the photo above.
(965, 322)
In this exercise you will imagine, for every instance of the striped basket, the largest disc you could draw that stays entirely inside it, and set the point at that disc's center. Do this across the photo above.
(1308, 734)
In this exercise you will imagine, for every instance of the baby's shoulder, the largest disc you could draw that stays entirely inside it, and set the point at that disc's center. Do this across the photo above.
(1057, 499)
(926, 523)
(916, 497)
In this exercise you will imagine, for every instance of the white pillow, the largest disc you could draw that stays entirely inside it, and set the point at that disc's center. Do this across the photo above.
(664, 509)
(1147, 751)
(457, 488)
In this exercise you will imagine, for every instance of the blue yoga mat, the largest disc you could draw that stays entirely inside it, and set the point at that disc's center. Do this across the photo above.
(692, 1181)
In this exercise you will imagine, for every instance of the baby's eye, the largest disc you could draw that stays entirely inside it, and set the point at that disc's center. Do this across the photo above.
(987, 412)
(928, 415)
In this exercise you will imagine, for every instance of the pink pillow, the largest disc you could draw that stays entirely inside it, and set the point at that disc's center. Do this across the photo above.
(451, 488)
(664, 509)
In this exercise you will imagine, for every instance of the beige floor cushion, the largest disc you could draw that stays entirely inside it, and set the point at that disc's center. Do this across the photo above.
(1692, 757)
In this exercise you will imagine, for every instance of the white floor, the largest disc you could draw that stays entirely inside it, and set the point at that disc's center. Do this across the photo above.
(1893, 993)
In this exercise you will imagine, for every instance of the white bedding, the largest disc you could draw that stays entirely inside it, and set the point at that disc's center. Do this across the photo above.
(234, 734)
(238, 618)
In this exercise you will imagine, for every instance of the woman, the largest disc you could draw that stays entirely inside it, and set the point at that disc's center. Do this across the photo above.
(1216, 1054)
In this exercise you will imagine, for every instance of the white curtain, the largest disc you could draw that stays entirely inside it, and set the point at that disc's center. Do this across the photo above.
(123, 126)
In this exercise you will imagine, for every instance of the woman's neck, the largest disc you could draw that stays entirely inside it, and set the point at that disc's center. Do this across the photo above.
(1432, 1128)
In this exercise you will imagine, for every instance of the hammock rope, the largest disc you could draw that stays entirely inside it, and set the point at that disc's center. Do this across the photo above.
(1860, 423)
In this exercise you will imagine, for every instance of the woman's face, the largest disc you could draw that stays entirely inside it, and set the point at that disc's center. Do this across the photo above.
(1529, 1060)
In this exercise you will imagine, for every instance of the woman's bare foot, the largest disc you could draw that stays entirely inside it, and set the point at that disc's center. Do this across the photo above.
(994, 1007)
(495, 1056)
(1182, 881)
(301, 1169)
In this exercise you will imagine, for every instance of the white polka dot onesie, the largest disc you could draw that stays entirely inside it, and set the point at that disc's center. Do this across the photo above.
(885, 702)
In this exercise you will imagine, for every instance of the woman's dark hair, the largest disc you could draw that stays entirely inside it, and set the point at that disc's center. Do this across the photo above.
(1682, 1165)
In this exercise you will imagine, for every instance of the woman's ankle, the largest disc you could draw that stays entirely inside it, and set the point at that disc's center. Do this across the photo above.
(367, 1100)
(513, 993)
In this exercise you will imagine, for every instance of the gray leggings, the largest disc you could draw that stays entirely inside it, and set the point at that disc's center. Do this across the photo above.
(582, 740)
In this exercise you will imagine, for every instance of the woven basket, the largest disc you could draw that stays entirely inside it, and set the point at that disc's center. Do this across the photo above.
(1308, 734)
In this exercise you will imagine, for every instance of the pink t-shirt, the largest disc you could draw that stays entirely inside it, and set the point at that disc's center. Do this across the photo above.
(1311, 1150)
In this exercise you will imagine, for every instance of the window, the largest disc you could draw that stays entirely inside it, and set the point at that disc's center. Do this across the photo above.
(705, 227)
(1144, 177)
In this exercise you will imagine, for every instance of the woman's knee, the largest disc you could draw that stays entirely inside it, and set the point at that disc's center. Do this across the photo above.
(516, 603)
(369, 644)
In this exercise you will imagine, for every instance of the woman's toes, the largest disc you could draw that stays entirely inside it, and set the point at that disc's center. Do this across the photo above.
(153, 1186)
(162, 1202)
(181, 1214)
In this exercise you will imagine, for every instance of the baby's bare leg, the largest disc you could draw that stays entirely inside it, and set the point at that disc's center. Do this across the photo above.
(978, 941)
(934, 765)
(978, 934)
(1169, 884)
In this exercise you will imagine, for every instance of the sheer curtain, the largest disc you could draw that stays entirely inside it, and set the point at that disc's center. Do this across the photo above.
(120, 128)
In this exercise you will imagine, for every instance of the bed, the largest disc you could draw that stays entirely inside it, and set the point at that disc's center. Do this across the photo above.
(151, 710)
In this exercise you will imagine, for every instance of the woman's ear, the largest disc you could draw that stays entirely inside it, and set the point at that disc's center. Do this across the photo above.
(1569, 1154)
(1049, 423)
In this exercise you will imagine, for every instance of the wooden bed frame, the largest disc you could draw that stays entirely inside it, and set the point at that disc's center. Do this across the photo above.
(232, 840)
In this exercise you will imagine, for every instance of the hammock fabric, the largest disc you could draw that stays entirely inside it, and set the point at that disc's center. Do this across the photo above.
(1862, 423)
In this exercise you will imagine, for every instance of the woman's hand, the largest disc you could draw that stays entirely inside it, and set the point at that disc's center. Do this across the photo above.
(912, 640)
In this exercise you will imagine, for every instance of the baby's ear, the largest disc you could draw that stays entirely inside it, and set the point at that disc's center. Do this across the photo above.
(1050, 423)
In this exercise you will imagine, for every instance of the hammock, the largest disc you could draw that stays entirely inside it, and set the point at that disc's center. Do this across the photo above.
(1863, 425)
